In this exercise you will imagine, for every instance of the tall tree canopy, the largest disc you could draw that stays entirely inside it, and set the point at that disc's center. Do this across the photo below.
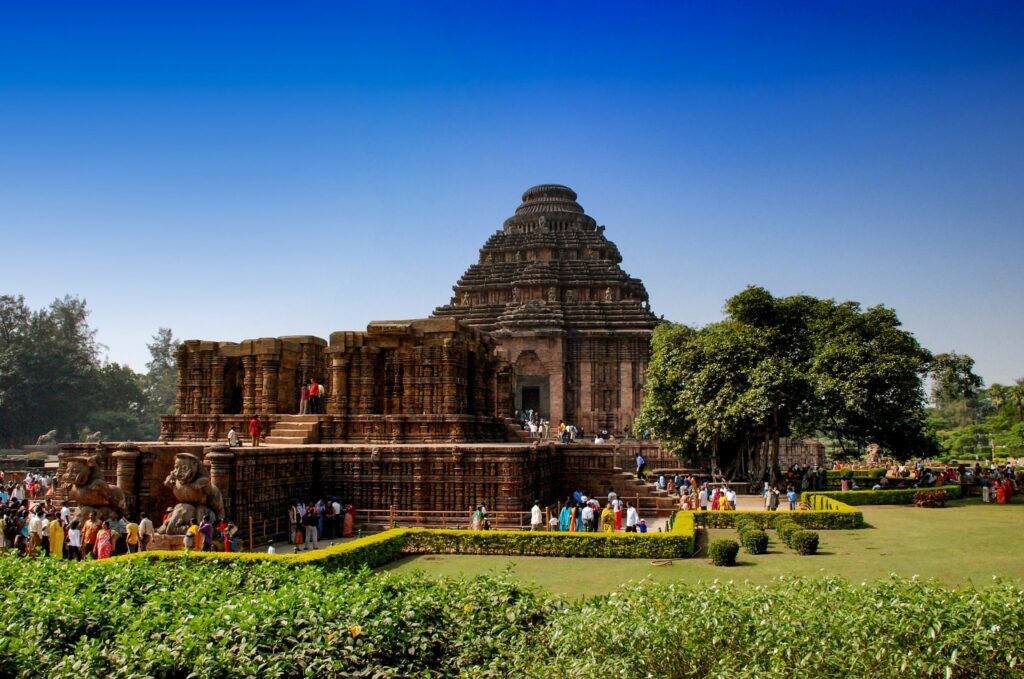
(788, 366)
(52, 376)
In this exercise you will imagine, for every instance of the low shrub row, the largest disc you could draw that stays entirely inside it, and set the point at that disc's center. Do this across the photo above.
(836, 475)
(723, 552)
(903, 496)
(831, 515)
(206, 620)
(383, 548)
(752, 537)
(803, 542)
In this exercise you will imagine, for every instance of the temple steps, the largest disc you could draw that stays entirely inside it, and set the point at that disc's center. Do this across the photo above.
(293, 430)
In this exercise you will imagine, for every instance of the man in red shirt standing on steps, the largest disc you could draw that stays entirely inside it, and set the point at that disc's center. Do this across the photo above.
(255, 430)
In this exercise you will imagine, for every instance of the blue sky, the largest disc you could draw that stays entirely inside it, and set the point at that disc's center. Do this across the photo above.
(240, 169)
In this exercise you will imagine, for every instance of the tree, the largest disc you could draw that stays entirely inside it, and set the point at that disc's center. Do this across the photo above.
(777, 367)
(159, 383)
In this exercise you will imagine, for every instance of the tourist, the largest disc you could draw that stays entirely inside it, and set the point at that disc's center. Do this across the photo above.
(89, 530)
(146, 532)
(642, 526)
(294, 521)
(56, 538)
(321, 397)
(608, 519)
(106, 538)
(632, 518)
(587, 515)
(271, 549)
(536, 517)
(35, 532)
(314, 398)
(792, 497)
(304, 398)
(193, 538)
(617, 508)
(233, 441)
(255, 430)
(310, 522)
(730, 497)
(641, 465)
(553, 522)
(349, 522)
(702, 498)
(74, 542)
(564, 517)
(206, 530)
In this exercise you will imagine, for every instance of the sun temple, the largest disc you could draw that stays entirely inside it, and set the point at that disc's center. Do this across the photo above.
(420, 414)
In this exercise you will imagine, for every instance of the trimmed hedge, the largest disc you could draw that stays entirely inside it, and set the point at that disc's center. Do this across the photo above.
(723, 552)
(836, 475)
(803, 542)
(383, 548)
(829, 515)
(902, 496)
(753, 539)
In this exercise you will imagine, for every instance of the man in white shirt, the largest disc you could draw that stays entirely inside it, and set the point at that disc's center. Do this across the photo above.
(65, 514)
(588, 518)
(730, 496)
(35, 533)
(536, 516)
(632, 518)
(233, 440)
(146, 532)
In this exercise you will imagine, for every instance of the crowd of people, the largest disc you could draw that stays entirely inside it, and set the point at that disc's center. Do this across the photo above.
(324, 519)
(583, 514)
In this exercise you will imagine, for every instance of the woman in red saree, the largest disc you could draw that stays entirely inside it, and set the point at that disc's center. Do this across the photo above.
(105, 540)
(349, 522)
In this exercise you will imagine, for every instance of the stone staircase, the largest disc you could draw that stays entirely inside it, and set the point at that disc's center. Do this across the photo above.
(628, 486)
(294, 430)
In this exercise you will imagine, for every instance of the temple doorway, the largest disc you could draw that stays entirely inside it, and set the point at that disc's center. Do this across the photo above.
(234, 377)
(531, 398)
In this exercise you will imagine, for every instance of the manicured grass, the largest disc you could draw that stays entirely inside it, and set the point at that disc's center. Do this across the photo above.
(966, 543)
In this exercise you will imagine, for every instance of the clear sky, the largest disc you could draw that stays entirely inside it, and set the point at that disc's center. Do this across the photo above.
(242, 169)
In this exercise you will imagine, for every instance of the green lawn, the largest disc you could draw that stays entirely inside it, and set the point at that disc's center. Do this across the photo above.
(966, 543)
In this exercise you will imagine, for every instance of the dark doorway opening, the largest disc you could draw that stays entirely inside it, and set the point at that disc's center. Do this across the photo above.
(531, 398)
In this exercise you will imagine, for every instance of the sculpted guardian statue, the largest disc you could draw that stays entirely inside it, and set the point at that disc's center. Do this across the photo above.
(47, 439)
(197, 497)
(90, 490)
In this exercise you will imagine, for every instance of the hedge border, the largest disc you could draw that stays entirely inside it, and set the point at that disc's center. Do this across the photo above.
(383, 548)
(831, 514)
(901, 496)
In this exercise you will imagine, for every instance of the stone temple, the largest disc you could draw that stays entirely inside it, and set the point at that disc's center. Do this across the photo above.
(419, 414)
(573, 325)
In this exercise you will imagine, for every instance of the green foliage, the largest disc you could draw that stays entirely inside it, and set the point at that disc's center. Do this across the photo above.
(803, 542)
(204, 619)
(52, 376)
(872, 475)
(754, 540)
(782, 366)
(723, 552)
(903, 496)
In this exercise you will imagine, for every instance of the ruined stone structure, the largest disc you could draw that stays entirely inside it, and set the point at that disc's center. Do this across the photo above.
(574, 326)
(417, 414)
(430, 380)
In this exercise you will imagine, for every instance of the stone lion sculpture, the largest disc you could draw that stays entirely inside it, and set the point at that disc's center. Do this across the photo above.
(90, 490)
(47, 439)
(197, 497)
(94, 437)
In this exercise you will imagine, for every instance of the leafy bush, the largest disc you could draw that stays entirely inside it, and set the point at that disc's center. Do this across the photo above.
(828, 515)
(902, 496)
(803, 542)
(930, 498)
(206, 618)
(754, 540)
(723, 552)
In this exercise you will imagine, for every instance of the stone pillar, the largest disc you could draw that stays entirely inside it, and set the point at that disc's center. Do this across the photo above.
(249, 385)
(367, 363)
(222, 461)
(337, 397)
(181, 358)
(216, 397)
(127, 457)
(269, 367)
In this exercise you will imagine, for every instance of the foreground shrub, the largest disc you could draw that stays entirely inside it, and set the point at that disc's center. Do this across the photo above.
(754, 540)
(204, 619)
(723, 552)
(804, 542)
